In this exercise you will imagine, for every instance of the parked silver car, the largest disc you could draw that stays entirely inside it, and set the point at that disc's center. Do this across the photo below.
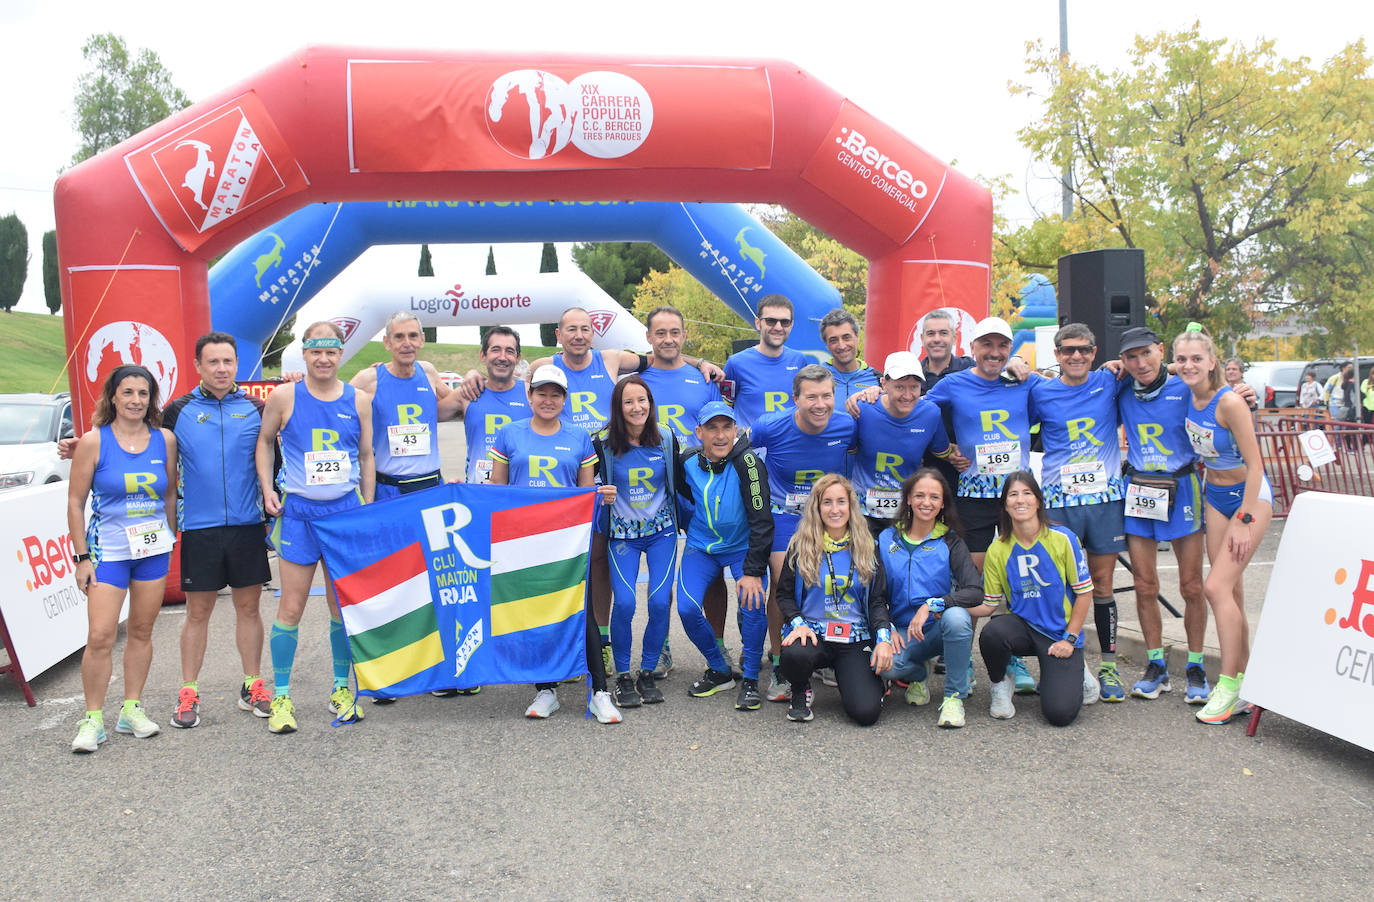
(30, 426)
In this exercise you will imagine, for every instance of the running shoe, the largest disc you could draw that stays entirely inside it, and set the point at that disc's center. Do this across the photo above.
(917, 693)
(602, 708)
(748, 698)
(1155, 681)
(383, 701)
(951, 713)
(136, 721)
(800, 709)
(1221, 707)
(608, 661)
(444, 693)
(1243, 708)
(545, 703)
(972, 677)
(651, 694)
(828, 676)
(1002, 708)
(1109, 685)
(89, 734)
(187, 713)
(665, 664)
(626, 695)
(283, 718)
(255, 697)
(1021, 678)
(472, 690)
(1089, 685)
(711, 682)
(779, 690)
(342, 704)
(939, 666)
(730, 659)
(1198, 690)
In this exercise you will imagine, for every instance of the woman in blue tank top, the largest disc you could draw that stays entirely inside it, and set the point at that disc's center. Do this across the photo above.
(1239, 506)
(127, 464)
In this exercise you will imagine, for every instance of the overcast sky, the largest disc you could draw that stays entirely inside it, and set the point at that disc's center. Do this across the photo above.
(938, 73)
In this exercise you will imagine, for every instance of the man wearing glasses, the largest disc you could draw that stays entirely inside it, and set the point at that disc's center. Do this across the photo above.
(762, 375)
(1081, 477)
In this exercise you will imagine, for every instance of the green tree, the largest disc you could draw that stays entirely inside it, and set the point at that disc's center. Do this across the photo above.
(271, 355)
(548, 262)
(1244, 176)
(491, 271)
(619, 266)
(427, 269)
(119, 95)
(711, 325)
(14, 260)
(52, 282)
(847, 270)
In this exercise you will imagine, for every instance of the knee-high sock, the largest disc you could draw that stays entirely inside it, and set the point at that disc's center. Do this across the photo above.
(1104, 615)
(282, 643)
(338, 647)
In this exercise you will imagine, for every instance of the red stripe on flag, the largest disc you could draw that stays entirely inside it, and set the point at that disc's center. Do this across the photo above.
(546, 516)
(392, 570)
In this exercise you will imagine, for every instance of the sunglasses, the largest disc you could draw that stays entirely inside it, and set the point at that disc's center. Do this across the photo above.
(1069, 351)
(773, 321)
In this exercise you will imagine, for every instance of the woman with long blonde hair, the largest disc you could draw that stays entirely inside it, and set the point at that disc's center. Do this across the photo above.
(833, 596)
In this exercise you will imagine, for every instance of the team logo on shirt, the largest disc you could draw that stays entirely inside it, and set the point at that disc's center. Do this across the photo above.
(344, 416)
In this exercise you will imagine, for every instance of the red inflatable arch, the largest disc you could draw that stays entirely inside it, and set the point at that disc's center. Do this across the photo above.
(137, 224)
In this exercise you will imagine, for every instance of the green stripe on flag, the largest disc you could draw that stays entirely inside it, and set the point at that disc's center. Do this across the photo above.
(541, 580)
(394, 634)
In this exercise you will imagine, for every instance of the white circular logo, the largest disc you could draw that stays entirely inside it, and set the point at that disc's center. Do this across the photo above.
(125, 342)
(533, 114)
(614, 114)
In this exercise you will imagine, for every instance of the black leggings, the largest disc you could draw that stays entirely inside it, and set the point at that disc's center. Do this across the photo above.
(1061, 679)
(861, 692)
(595, 666)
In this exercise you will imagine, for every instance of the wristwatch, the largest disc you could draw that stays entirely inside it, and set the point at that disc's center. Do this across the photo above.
(1247, 519)
(78, 558)
(1071, 638)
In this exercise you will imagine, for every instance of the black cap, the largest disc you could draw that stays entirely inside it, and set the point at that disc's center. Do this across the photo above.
(1138, 337)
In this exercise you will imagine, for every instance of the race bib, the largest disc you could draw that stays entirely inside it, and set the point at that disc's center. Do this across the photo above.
(482, 472)
(411, 440)
(1202, 439)
(327, 467)
(1147, 503)
(149, 539)
(838, 632)
(998, 458)
(795, 501)
(1087, 478)
(882, 502)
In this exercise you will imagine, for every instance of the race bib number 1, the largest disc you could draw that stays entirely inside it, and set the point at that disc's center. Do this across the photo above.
(882, 502)
(149, 539)
(482, 471)
(327, 467)
(998, 458)
(411, 440)
(1083, 479)
(795, 501)
(1147, 503)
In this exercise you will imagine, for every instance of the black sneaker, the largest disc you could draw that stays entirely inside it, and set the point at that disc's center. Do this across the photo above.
(748, 698)
(384, 701)
(940, 664)
(800, 709)
(651, 694)
(711, 682)
(626, 696)
(473, 691)
(444, 693)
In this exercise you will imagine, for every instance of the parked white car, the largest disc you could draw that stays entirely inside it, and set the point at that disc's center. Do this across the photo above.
(30, 426)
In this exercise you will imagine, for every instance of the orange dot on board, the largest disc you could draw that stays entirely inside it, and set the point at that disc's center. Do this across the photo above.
(19, 555)
(1340, 575)
(1330, 616)
(28, 584)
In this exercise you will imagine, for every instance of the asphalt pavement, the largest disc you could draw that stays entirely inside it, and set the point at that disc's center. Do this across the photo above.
(462, 798)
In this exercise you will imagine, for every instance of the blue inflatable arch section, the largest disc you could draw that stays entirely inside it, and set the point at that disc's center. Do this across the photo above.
(264, 280)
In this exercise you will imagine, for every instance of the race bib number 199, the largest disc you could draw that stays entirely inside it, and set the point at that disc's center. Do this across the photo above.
(1147, 503)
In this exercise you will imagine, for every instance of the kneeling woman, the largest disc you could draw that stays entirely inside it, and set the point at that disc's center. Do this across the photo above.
(833, 595)
(1039, 570)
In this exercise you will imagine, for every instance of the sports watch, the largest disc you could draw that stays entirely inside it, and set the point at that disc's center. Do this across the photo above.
(1071, 638)
(1247, 519)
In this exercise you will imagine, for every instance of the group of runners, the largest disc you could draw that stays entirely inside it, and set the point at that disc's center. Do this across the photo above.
(868, 518)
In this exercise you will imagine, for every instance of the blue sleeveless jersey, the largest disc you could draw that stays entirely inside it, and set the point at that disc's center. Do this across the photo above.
(1079, 425)
(127, 488)
(589, 394)
(483, 419)
(321, 429)
(678, 395)
(1211, 440)
(1156, 438)
(404, 403)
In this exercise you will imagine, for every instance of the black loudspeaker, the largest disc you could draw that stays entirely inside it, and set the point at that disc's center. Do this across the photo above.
(1105, 291)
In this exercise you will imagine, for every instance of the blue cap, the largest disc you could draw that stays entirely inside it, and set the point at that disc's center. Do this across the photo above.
(715, 409)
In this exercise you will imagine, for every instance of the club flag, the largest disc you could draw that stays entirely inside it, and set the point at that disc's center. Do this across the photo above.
(462, 586)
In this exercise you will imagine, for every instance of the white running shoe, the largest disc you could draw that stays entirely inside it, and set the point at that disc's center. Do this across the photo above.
(1091, 693)
(602, 708)
(828, 676)
(1002, 708)
(778, 690)
(545, 703)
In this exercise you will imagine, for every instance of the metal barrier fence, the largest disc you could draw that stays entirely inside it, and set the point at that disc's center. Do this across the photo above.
(1290, 471)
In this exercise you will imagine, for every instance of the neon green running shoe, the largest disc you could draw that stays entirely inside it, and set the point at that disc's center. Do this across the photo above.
(342, 703)
(135, 721)
(1220, 707)
(283, 716)
(89, 734)
(951, 712)
(917, 693)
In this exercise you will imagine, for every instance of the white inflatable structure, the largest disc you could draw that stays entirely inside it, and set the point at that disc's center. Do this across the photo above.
(362, 309)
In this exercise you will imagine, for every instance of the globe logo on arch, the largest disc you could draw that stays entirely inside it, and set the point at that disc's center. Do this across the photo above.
(124, 342)
(531, 113)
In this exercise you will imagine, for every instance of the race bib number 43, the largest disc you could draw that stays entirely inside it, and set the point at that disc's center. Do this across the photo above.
(410, 440)
(1147, 503)
(327, 467)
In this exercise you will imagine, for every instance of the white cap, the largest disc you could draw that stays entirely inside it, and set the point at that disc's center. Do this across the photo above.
(993, 325)
(900, 364)
(548, 374)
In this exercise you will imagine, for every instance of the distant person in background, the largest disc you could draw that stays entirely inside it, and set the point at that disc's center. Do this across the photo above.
(1235, 377)
(1310, 393)
(1367, 393)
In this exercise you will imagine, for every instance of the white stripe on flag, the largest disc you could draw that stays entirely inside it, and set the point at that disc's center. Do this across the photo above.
(541, 548)
(385, 607)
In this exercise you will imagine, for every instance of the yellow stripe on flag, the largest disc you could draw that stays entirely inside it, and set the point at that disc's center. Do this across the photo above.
(537, 610)
(404, 662)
